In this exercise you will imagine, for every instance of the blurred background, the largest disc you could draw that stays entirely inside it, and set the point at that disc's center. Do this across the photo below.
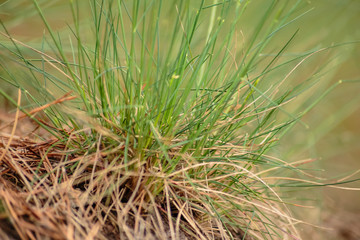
(333, 135)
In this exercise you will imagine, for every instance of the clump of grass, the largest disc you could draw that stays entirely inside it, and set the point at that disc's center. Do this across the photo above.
(160, 117)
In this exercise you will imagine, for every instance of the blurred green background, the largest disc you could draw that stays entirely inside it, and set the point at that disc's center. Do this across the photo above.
(333, 136)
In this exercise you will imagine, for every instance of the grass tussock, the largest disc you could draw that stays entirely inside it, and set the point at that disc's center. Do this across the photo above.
(50, 191)
(158, 121)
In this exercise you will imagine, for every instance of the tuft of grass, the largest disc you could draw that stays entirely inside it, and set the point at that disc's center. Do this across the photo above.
(160, 116)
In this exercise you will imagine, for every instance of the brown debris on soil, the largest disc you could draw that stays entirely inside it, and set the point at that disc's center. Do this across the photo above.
(34, 203)
(39, 207)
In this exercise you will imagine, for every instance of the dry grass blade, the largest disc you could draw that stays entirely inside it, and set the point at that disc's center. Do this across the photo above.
(4, 151)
